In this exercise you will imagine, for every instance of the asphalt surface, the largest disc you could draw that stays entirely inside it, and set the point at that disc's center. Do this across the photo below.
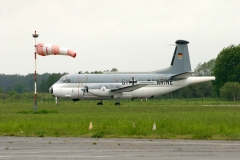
(91, 148)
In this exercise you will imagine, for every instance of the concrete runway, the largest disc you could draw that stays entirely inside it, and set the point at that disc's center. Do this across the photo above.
(91, 148)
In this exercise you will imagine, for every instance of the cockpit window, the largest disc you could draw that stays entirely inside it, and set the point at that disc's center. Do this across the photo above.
(64, 79)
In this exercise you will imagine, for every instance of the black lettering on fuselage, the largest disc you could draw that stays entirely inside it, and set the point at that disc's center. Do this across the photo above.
(164, 82)
(167, 81)
(159, 81)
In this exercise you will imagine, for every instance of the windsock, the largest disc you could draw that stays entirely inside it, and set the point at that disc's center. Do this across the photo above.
(49, 49)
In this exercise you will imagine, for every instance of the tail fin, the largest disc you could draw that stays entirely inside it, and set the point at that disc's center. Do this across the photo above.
(180, 61)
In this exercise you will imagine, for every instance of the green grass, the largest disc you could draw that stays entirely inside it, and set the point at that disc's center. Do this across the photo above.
(177, 119)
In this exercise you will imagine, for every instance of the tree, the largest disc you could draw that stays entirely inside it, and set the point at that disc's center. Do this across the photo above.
(99, 72)
(114, 70)
(43, 86)
(205, 69)
(96, 72)
(12, 93)
(26, 95)
(1, 90)
(8, 82)
(21, 88)
(17, 96)
(194, 91)
(227, 66)
(51, 80)
(230, 90)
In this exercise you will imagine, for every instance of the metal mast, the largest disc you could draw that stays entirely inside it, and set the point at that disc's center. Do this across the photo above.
(35, 35)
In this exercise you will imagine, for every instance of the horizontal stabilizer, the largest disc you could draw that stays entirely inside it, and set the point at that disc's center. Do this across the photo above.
(182, 75)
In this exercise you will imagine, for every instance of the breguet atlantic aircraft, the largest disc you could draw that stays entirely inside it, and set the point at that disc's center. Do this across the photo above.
(130, 85)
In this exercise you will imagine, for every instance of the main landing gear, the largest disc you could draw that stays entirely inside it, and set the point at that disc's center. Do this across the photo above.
(100, 103)
(117, 103)
(56, 100)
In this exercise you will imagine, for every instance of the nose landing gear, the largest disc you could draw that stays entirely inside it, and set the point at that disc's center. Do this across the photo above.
(56, 100)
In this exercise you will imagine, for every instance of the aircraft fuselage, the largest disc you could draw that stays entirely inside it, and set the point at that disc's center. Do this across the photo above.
(100, 85)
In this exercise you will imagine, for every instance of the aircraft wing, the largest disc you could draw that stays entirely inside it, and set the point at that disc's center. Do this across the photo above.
(131, 88)
(182, 75)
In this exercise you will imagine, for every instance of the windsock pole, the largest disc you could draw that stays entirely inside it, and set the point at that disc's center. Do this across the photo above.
(35, 35)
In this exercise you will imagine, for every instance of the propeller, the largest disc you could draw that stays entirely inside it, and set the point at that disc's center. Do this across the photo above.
(85, 89)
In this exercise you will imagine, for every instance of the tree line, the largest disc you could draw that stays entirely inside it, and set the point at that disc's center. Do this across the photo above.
(16, 83)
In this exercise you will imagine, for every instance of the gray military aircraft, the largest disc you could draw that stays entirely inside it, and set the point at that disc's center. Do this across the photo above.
(130, 85)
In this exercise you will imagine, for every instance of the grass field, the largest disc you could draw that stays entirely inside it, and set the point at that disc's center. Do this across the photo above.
(177, 119)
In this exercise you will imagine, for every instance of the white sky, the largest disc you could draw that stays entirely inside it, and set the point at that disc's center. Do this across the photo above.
(130, 35)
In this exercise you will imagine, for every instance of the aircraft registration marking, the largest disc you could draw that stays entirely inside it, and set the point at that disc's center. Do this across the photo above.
(159, 81)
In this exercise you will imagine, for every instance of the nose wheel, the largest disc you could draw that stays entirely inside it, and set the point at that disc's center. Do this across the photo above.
(56, 100)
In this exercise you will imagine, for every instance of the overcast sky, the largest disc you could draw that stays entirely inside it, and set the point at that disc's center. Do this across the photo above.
(130, 35)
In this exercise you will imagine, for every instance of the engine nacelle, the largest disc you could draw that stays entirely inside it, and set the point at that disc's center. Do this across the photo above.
(102, 92)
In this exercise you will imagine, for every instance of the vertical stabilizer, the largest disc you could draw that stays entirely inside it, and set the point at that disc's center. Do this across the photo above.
(180, 60)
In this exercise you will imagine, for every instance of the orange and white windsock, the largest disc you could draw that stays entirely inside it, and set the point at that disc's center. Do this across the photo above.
(49, 49)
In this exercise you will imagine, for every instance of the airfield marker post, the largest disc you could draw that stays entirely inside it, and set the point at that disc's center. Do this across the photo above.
(35, 35)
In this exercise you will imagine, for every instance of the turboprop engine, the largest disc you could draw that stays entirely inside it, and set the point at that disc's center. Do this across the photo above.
(101, 90)
(49, 49)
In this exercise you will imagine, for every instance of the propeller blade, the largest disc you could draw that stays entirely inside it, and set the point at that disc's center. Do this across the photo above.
(85, 89)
